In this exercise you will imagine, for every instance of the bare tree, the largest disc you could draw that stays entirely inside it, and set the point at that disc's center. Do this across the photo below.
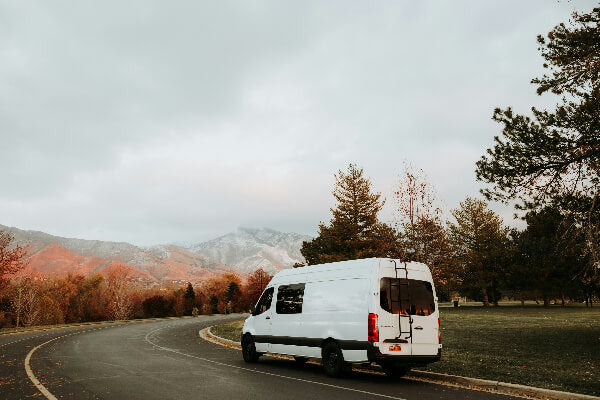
(24, 303)
(120, 293)
(424, 237)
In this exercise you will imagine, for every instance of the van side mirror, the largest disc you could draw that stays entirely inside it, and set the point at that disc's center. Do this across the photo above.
(253, 308)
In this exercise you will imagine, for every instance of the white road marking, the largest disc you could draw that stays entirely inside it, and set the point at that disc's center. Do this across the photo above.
(30, 373)
(263, 372)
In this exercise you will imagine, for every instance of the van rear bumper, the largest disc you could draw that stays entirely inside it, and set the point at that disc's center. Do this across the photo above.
(374, 355)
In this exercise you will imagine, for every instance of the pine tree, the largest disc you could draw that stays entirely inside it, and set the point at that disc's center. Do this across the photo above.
(189, 299)
(354, 231)
(551, 250)
(553, 157)
(480, 244)
(214, 304)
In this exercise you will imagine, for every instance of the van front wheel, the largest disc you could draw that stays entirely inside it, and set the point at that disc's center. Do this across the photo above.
(249, 350)
(333, 360)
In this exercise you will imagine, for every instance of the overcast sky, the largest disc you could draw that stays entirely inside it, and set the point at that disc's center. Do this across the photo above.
(154, 122)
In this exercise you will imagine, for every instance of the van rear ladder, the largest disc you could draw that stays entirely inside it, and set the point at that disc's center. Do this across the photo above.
(403, 290)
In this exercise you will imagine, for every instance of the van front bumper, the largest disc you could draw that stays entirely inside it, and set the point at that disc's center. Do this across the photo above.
(374, 355)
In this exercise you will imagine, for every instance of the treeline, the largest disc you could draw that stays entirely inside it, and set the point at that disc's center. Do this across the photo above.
(471, 255)
(28, 301)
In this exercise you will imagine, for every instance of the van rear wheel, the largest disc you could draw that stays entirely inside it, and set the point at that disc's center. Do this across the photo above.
(333, 361)
(249, 350)
(395, 371)
(300, 360)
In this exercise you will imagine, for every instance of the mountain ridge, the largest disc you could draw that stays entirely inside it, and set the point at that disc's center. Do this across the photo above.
(241, 252)
(251, 248)
(156, 263)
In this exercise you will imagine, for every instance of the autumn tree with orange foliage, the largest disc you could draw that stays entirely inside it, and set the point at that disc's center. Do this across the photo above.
(12, 259)
(252, 289)
(28, 301)
(217, 287)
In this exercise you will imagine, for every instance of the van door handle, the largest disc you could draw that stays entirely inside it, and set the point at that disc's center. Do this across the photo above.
(419, 328)
(267, 317)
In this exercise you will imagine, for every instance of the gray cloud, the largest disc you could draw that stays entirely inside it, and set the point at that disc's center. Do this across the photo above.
(149, 122)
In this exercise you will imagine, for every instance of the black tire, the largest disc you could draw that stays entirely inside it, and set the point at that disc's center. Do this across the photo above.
(395, 371)
(333, 360)
(300, 360)
(249, 350)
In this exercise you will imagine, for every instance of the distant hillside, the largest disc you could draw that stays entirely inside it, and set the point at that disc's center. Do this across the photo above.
(53, 255)
(249, 249)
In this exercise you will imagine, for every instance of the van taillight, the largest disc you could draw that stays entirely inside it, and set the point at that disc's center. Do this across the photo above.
(373, 328)
(439, 332)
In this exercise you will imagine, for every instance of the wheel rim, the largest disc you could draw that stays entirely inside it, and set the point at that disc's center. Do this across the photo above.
(332, 360)
(249, 348)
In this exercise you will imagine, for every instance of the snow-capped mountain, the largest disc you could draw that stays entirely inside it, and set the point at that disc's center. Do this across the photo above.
(55, 255)
(249, 249)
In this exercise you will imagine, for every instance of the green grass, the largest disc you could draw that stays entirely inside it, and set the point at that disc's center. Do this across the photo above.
(229, 330)
(552, 348)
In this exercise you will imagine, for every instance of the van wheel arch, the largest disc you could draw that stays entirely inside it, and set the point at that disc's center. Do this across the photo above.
(326, 341)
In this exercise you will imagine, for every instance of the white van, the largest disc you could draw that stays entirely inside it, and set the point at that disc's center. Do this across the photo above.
(372, 310)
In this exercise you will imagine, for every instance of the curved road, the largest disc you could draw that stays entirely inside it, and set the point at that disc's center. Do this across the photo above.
(166, 360)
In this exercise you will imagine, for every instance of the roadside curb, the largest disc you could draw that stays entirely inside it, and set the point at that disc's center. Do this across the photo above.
(206, 333)
(512, 389)
(501, 387)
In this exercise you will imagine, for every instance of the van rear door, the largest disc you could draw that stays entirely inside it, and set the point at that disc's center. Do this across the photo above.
(408, 313)
(424, 318)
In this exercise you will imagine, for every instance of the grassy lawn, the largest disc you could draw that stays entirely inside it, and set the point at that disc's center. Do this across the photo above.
(229, 330)
(553, 348)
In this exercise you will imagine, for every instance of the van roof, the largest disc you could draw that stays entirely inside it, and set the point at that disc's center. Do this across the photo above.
(360, 267)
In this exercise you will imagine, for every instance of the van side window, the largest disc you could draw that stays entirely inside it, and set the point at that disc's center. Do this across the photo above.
(265, 301)
(289, 299)
(415, 297)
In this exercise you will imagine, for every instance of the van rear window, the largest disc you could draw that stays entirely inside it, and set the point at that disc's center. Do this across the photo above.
(289, 299)
(408, 297)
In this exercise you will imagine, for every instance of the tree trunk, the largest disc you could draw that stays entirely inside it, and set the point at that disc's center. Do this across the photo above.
(562, 294)
(486, 301)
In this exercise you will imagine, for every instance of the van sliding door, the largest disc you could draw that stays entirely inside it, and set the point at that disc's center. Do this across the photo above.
(286, 324)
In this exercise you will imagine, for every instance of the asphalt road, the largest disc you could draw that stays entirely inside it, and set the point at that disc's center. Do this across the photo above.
(167, 360)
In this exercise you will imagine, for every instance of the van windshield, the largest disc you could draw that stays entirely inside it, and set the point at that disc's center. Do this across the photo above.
(408, 297)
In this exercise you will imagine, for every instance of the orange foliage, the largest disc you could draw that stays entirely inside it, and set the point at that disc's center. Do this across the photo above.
(11, 259)
(114, 294)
